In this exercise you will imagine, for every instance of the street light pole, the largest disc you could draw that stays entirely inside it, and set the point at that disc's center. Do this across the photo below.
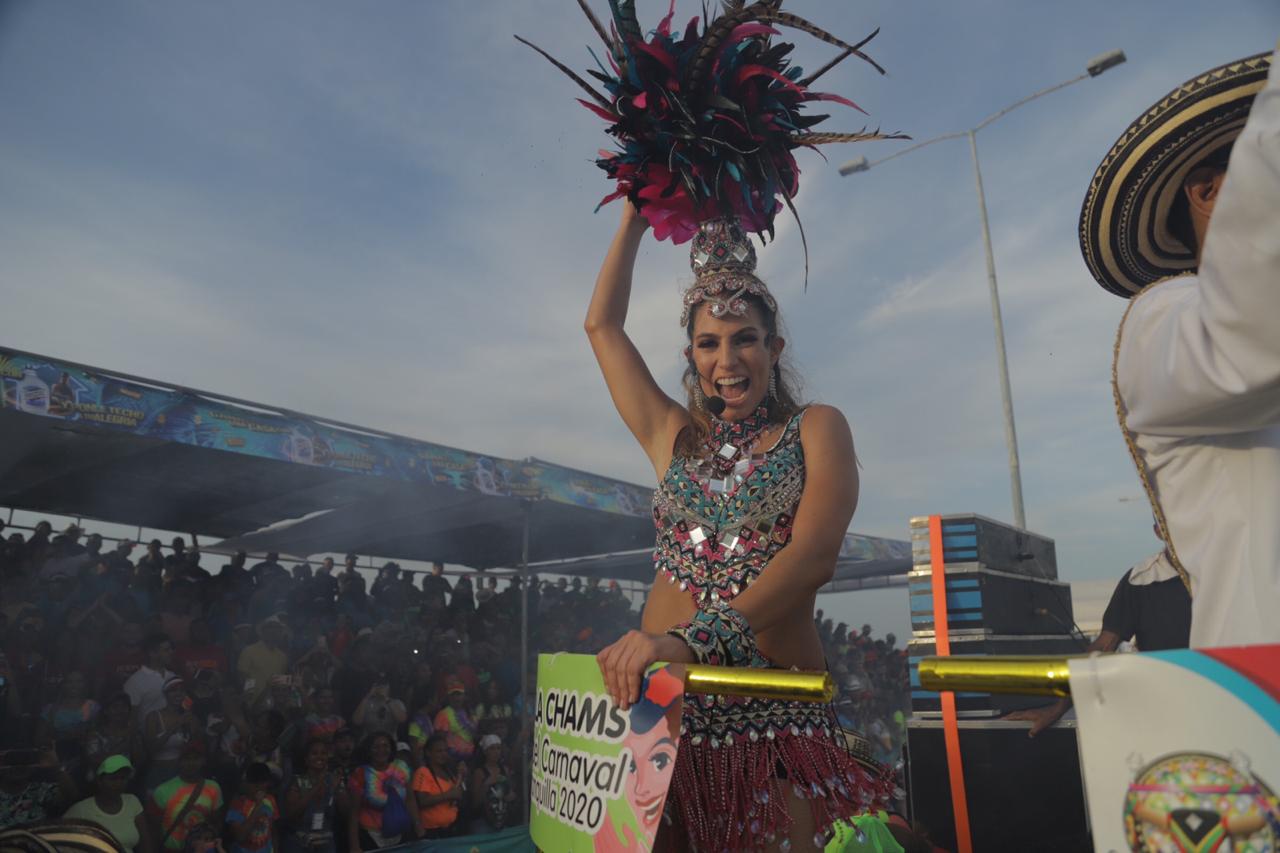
(1006, 393)
(1096, 66)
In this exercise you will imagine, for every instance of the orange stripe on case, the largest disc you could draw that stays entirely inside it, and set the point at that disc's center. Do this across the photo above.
(950, 728)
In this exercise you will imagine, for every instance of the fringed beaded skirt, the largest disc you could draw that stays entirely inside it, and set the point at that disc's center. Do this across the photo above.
(740, 759)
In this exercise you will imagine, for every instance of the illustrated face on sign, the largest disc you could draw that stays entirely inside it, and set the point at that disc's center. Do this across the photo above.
(653, 760)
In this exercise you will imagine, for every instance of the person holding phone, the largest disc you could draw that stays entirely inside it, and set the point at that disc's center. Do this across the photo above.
(312, 802)
(167, 732)
(252, 816)
(379, 712)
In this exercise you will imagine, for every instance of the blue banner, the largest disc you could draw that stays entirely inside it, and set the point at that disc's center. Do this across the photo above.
(43, 387)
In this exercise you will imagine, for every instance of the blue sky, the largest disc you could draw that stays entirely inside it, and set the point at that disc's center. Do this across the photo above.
(381, 212)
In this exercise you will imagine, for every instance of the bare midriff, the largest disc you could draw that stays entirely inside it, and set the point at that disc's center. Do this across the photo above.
(792, 643)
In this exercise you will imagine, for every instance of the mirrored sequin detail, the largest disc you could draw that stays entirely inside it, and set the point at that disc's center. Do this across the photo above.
(721, 518)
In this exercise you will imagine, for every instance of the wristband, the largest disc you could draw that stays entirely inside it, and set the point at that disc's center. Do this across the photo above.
(720, 636)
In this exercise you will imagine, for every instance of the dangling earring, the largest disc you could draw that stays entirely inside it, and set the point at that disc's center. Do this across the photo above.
(773, 383)
(699, 399)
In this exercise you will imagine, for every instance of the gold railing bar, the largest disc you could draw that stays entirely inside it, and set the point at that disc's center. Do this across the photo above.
(786, 684)
(1045, 676)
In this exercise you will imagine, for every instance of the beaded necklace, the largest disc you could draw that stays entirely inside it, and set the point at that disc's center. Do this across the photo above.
(726, 444)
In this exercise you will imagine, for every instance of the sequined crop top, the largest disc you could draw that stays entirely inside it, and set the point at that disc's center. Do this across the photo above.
(720, 519)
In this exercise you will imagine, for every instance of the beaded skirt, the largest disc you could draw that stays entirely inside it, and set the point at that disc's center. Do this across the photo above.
(740, 760)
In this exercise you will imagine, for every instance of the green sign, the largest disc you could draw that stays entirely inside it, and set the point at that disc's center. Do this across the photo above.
(600, 774)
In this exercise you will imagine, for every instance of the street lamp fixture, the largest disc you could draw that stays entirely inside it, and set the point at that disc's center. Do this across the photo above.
(859, 165)
(1101, 63)
(1095, 66)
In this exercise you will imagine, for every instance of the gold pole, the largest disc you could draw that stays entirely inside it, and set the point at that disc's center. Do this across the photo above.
(1044, 676)
(786, 684)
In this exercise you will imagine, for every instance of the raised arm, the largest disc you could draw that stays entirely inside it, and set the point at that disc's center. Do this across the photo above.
(652, 416)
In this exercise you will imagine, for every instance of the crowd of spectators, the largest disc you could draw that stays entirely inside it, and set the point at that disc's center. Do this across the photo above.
(873, 692)
(262, 708)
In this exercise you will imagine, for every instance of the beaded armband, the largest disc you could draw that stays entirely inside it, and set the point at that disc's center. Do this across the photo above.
(720, 636)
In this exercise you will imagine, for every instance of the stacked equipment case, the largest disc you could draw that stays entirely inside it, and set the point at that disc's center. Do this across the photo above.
(1003, 598)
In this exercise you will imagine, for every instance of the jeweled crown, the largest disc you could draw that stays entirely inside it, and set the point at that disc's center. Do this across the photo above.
(721, 245)
(723, 263)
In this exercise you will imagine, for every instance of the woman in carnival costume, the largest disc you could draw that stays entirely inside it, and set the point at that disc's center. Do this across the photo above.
(756, 491)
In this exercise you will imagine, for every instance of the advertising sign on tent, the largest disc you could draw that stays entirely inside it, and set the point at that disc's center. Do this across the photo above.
(600, 774)
(1181, 749)
(49, 388)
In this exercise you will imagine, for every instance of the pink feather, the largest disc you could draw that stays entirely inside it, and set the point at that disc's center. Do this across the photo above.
(616, 194)
(612, 118)
(664, 26)
(739, 125)
(746, 31)
(748, 71)
(668, 61)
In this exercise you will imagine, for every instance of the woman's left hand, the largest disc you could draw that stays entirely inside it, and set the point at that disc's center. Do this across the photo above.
(623, 663)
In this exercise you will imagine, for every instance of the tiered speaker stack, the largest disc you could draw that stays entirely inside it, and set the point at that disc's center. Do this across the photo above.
(1003, 598)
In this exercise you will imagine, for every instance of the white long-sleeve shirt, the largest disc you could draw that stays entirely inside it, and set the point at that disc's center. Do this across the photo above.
(1198, 370)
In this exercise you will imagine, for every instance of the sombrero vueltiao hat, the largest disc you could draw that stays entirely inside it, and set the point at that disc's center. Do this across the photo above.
(1124, 224)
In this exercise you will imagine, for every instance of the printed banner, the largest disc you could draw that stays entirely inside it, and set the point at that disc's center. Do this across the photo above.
(600, 775)
(48, 388)
(1181, 749)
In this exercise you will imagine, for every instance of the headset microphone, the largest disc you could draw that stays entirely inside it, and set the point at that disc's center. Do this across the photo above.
(716, 404)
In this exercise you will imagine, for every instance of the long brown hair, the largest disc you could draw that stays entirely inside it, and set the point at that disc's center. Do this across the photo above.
(781, 407)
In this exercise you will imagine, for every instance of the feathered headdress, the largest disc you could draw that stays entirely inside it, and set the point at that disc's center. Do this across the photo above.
(706, 120)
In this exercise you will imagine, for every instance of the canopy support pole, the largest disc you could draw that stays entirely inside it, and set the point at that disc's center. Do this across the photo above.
(526, 511)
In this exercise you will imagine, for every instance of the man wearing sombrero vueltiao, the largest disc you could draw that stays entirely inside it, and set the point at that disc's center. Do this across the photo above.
(1197, 357)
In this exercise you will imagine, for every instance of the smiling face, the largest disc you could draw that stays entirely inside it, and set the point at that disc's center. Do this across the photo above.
(653, 760)
(733, 357)
(317, 756)
(175, 696)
